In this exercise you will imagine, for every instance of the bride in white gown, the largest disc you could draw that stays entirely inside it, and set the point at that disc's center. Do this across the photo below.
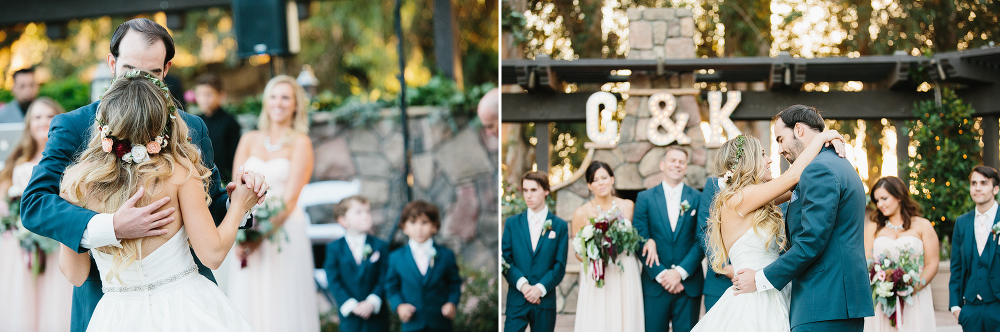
(151, 283)
(746, 229)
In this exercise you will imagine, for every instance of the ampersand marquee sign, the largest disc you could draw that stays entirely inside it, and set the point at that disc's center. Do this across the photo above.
(662, 106)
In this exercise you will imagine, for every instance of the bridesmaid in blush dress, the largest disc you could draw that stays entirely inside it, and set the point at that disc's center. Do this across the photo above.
(29, 303)
(896, 226)
(276, 290)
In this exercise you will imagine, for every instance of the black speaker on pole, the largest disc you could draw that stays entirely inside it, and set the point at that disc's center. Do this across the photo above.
(266, 27)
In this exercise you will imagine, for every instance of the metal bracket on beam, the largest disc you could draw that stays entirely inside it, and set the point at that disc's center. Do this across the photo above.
(955, 69)
(899, 74)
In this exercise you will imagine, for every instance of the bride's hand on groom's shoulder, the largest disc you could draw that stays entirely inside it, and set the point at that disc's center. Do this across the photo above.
(833, 137)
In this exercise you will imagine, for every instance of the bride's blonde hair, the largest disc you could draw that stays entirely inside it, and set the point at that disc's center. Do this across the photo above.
(742, 159)
(135, 109)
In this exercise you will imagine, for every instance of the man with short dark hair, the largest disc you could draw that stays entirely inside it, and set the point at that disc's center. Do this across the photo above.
(534, 249)
(138, 44)
(825, 260)
(25, 91)
(974, 288)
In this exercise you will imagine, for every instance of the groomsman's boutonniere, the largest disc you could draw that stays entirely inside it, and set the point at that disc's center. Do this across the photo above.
(685, 206)
(432, 253)
(366, 252)
(995, 230)
(547, 229)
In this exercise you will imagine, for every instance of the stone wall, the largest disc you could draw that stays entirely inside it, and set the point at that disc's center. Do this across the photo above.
(452, 168)
(661, 33)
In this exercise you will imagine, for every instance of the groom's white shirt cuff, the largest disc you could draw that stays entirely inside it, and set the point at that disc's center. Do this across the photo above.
(246, 218)
(100, 232)
(348, 307)
(955, 308)
(680, 270)
(761, 281)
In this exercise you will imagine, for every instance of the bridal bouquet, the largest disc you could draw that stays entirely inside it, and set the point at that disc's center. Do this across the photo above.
(893, 281)
(34, 246)
(262, 225)
(601, 242)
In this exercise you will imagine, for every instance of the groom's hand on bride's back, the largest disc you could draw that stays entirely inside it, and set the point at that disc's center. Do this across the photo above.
(745, 282)
(134, 222)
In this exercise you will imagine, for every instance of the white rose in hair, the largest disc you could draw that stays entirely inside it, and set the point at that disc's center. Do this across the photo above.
(139, 154)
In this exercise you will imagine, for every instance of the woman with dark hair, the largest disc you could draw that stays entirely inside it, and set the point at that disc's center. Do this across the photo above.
(34, 298)
(618, 305)
(895, 226)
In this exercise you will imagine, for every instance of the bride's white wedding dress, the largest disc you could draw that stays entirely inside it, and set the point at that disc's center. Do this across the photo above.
(760, 311)
(163, 292)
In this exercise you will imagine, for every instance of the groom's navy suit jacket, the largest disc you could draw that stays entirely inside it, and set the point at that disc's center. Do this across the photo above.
(545, 265)
(45, 213)
(826, 257)
(966, 262)
(675, 247)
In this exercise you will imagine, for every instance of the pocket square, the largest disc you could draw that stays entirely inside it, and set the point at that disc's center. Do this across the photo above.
(795, 195)
(693, 212)
(374, 257)
(552, 234)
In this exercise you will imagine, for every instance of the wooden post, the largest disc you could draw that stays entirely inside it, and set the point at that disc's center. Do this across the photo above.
(902, 151)
(542, 146)
(991, 134)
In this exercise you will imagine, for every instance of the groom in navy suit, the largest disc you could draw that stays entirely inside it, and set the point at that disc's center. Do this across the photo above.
(136, 44)
(534, 247)
(825, 228)
(665, 214)
(974, 287)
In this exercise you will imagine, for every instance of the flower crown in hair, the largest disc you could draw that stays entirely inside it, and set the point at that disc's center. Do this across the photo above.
(125, 149)
(740, 140)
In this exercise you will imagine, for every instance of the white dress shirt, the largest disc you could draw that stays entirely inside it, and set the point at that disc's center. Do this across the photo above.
(356, 243)
(536, 221)
(673, 197)
(981, 229)
(421, 254)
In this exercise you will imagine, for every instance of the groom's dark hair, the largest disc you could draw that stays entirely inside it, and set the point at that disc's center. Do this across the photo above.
(988, 172)
(803, 114)
(152, 31)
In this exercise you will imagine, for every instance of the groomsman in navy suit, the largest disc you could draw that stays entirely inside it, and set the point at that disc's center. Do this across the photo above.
(974, 294)
(665, 214)
(356, 267)
(534, 252)
(715, 283)
(423, 285)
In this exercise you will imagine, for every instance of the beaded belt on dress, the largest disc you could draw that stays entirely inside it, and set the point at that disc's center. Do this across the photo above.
(151, 286)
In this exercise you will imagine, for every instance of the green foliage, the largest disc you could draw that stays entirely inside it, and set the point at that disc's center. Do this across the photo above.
(70, 93)
(249, 105)
(6, 96)
(356, 113)
(326, 323)
(514, 22)
(947, 150)
(477, 311)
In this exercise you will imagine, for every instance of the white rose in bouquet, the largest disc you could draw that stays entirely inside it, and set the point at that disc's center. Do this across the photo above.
(578, 245)
(588, 232)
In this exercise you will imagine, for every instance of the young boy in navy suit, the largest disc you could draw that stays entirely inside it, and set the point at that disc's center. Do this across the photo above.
(423, 285)
(355, 269)
(534, 252)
